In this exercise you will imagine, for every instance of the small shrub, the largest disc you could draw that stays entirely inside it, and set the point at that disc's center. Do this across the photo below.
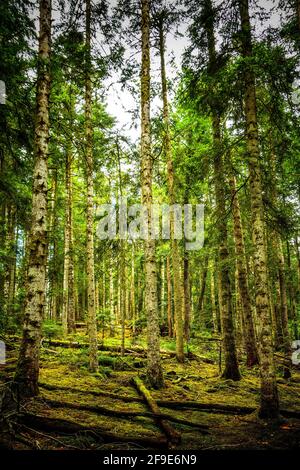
(51, 329)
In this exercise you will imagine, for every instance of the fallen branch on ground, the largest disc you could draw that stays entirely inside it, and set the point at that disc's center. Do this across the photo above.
(173, 404)
(138, 350)
(220, 408)
(61, 426)
(120, 413)
(172, 435)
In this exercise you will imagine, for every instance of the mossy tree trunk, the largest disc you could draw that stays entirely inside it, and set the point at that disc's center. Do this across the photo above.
(154, 369)
(231, 369)
(175, 253)
(283, 334)
(68, 313)
(269, 406)
(90, 269)
(169, 299)
(27, 370)
(242, 275)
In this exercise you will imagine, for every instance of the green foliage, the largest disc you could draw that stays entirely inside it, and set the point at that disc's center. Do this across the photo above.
(51, 329)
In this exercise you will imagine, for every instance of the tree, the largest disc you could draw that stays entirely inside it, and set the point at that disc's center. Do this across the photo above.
(161, 21)
(27, 371)
(269, 395)
(154, 369)
(92, 325)
(249, 332)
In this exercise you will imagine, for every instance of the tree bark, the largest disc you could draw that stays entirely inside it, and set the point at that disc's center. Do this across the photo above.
(200, 319)
(269, 406)
(213, 301)
(154, 369)
(169, 300)
(27, 371)
(249, 332)
(178, 285)
(172, 435)
(187, 300)
(231, 370)
(90, 269)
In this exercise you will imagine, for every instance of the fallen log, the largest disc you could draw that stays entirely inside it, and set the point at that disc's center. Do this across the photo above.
(172, 435)
(172, 404)
(207, 407)
(95, 393)
(220, 408)
(62, 426)
(121, 413)
(133, 350)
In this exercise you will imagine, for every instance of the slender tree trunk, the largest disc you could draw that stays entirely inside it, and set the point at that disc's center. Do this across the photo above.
(187, 298)
(90, 270)
(27, 370)
(2, 243)
(71, 278)
(11, 244)
(178, 301)
(132, 291)
(201, 320)
(122, 295)
(112, 319)
(213, 301)
(53, 281)
(269, 406)
(169, 304)
(286, 345)
(231, 370)
(292, 294)
(68, 313)
(66, 256)
(154, 369)
(162, 292)
(281, 312)
(249, 332)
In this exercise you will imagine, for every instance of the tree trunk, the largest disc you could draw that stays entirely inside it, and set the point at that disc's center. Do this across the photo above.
(162, 292)
(27, 371)
(169, 304)
(154, 369)
(111, 298)
(269, 405)
(52, 229)
(200, 319)
(178, 286)
(132, 291)
(213, 301)
(90, 270)
(281, 310)
(231, 370)
(292, 294)
(249, 332)
(187, 299)
(11, 244)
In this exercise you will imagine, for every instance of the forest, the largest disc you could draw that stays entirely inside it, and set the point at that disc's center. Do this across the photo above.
(149, 225)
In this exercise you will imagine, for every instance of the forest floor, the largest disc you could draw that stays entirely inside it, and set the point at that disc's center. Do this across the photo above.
(80, 410)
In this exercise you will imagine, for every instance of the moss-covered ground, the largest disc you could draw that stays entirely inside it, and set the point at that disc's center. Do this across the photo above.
(66, 370)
